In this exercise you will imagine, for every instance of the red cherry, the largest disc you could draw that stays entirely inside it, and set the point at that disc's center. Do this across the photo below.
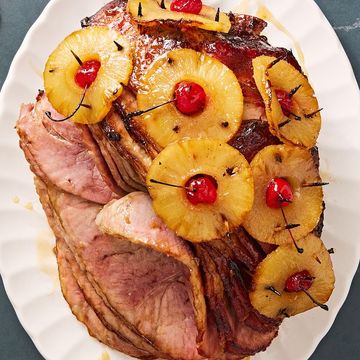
(278, 193)
(299, 281)
(186, 6)
(201, 189)
(190, 98)
(285, 101)
(87, 73)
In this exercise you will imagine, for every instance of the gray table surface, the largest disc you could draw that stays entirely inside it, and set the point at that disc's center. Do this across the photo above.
(343, 340)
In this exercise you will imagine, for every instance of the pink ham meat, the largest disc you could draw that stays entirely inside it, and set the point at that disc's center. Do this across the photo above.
(64, 154)
(147, 290)
(109, 319)
(83, 311)
(133, 218)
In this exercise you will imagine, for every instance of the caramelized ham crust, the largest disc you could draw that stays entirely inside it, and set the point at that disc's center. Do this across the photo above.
(235, 49)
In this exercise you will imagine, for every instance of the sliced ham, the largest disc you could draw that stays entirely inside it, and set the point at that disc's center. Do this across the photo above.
(114, 160)
(64, 154)
(245, 332)
(147, 290)
(133, 218)
(84, 312)
(126, 147)
(98, 304)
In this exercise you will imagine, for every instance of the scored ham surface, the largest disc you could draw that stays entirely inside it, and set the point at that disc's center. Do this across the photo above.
(136, 286)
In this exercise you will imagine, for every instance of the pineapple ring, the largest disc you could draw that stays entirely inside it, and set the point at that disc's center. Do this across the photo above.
(222, 115)
(108, 47)
(285, 77)
(279, 265)
(179, 162)
(151, 12)
(297, 166)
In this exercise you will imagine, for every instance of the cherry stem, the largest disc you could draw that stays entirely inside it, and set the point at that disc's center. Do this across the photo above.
(315, 184)
(162, 5)
(322, 306)
(272, 289)
(282, 199)
(141, 112)
(299, 249)
(171, 185)
(48, 113)
(294, 91)
(140, 10)
(309, 116)
(217, 16)
(77, 58)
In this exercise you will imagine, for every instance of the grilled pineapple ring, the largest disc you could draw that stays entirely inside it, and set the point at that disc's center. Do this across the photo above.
(222, 115)
(179, 162)
(297, 166)
(303, 126)
(151, 12)
(279, 265)
(93, 43)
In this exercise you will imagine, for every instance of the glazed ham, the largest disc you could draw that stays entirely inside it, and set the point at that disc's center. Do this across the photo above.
(235, 49)
(135, 285)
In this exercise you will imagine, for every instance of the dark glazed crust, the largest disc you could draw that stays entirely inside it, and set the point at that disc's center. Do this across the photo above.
(253, 136)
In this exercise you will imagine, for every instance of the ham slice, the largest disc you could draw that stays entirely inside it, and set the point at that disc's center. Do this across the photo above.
(64, 154)
(133, 218)
(147, 291)
(83, 311)
(98, 304)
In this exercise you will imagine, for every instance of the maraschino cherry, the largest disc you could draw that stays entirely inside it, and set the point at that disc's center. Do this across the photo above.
(302, 281)
(285, 101)
(201, 189)
(279, 193)
(87, 73)
(186, 6)
(190, 98)
(299, 281)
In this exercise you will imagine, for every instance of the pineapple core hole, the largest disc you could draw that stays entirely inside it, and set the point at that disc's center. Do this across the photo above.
(201, 189)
